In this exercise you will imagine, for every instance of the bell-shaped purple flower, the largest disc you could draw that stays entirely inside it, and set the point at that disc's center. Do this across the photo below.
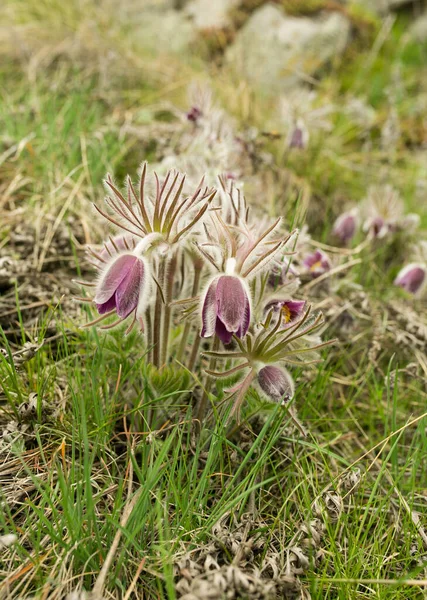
(289, 310)
(345, 227)
(276, 383)
(412, 278)
(298, 137)
(122, 286)
(317, 263)
(226, 309)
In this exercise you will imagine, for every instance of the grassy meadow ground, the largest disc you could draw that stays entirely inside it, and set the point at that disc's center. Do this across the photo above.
(97, 501)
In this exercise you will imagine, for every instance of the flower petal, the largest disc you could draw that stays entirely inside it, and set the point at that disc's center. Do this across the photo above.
(345, 227)
(220, 330)
(113, 276)
(127, 294)
(107, 306)
(411, 278)
(232, 301)
(243, 329)
(209, 310)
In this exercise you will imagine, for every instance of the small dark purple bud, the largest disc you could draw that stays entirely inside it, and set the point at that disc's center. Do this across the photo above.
(276, 383)
(411, 278)
(194, 114)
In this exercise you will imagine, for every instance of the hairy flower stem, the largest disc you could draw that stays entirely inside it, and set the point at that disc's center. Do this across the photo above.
(187, 328)
(158, 309)
(201, 409)
(149, 335)
(194, 352)
(169, 280)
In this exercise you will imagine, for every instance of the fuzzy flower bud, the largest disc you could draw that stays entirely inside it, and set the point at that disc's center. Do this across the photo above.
(299, 136)
(123, 286)
(345, 227)
(226, 308)
(276, 383)
(411, 278)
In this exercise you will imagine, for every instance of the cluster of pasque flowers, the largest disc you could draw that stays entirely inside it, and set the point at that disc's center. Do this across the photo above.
(381, 215)
(201, 264)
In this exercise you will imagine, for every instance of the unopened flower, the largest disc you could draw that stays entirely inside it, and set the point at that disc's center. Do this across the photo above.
(412, 278)
(317, 263)
(226, 308)
(276, 383)
(123, 286)
(288, 311)
(298, 136)
(345, 226)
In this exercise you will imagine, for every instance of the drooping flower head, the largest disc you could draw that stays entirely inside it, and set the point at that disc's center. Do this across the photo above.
(276, 383)
(123, 287)
(238, 254)
(226, 308)
(412, 278)
(345, 227)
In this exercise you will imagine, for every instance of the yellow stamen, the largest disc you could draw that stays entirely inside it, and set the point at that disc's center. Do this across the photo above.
(286, 314)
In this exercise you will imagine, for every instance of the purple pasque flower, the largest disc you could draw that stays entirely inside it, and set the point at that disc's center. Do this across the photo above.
(226, 308)
(345, 227)
(288, 310)
(194, 114)
(299, 136)
(317, 263)
(412, 277)
(377, 227)
(276, 383)
(123, 286)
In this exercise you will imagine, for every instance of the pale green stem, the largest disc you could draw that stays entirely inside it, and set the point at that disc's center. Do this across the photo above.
(187, 327)
(201, 409)
(149, 335)
(158, 309)
(168, 291)
(194, 351)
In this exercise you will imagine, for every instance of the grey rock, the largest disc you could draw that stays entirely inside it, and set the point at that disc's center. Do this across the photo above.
(418, 29)
(166, 31)
(276, 52)
(208, 14)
